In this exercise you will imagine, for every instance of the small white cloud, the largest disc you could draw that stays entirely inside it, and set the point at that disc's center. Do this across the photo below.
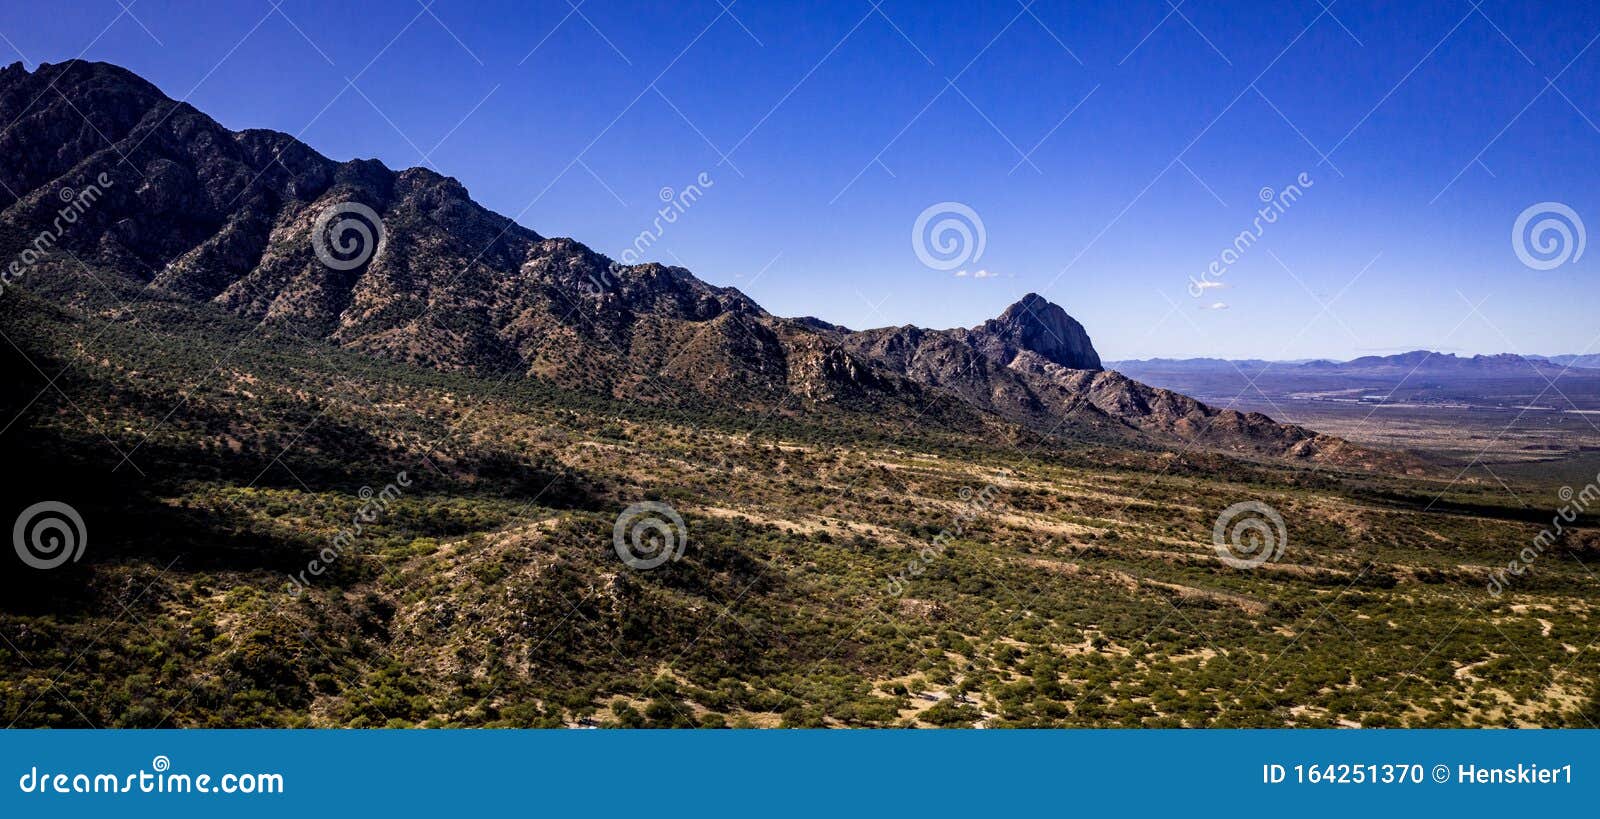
(961, 274)
(984, 274)
(1216, 305)
(1209, 285)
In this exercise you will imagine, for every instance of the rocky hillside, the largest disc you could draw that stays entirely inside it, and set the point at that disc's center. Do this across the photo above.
(1035, 365)
(404, 265)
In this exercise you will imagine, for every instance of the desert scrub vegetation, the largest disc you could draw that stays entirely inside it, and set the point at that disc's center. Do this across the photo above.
(488, 592)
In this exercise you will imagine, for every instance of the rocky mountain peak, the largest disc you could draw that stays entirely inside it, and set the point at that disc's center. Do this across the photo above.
(1037, 325)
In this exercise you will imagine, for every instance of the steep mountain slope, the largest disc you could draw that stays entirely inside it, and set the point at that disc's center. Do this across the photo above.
(256, 223)
(228, 217)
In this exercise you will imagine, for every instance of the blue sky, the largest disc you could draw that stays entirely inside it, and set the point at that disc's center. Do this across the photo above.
(1111, 150)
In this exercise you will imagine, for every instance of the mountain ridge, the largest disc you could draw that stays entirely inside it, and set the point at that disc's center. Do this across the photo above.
(233, 219)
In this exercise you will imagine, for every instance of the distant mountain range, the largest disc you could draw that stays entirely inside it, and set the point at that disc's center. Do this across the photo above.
(1591, 361)
(232, 220)
(1418, 362)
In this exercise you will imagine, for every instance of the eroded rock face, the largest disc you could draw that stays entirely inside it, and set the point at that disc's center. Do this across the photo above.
(1037, 326)
(228, 218)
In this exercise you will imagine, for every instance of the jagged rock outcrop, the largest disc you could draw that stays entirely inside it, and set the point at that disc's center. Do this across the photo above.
(1036, 366)
(1037, 326)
